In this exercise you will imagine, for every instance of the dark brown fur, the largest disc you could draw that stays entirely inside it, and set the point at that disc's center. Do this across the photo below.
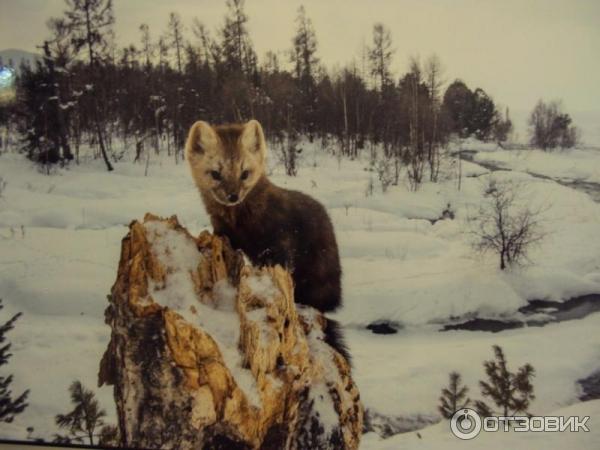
(279, 226)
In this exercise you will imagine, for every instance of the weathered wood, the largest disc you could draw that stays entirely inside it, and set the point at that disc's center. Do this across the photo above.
(207, 351)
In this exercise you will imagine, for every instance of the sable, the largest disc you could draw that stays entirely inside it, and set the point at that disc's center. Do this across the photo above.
(270, 224)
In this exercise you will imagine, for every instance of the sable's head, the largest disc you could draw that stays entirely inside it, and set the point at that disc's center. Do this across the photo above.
(227, 160)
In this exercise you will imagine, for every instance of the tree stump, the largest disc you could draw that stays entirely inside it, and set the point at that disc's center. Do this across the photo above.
(207, 351)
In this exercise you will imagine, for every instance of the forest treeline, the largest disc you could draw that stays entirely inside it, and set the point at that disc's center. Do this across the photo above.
(87, 90)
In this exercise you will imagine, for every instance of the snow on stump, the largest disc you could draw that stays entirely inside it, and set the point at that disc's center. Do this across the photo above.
(207, 351)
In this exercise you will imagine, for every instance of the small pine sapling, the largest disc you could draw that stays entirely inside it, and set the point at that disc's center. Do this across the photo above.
(511, 392)
(86, 417)
(109, 436)
(9, 406)
(454, 397)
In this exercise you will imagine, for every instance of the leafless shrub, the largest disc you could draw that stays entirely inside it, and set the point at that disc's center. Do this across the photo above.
(289, 152)
(415, 168)
(370, 187)
(347, 207)
(385, 173)
(505, 225)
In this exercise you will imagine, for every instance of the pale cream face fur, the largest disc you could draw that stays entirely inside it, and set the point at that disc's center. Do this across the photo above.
(226, 162)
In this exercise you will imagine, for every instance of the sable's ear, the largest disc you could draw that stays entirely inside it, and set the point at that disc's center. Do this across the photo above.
(253, 138)
(200, 138)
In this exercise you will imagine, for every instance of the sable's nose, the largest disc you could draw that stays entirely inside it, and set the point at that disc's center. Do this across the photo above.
(233, 198)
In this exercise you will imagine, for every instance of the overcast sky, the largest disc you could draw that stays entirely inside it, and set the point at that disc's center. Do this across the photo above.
(517, 50)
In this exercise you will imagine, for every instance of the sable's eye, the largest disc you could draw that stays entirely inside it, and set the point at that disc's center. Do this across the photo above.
(216, 175)
(245, 174)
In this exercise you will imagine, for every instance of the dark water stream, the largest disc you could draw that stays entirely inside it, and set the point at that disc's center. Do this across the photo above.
(543, 312)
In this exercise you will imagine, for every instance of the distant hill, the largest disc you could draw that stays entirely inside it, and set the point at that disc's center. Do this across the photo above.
(13, 57)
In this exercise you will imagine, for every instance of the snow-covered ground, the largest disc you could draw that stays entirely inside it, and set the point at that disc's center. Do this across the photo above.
(439, 437)
(59, 248)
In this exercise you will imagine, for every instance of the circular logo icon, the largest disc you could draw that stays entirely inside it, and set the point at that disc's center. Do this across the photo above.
(465, 424)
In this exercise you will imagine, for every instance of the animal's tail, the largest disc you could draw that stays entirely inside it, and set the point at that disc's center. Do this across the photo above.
(335, 338)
